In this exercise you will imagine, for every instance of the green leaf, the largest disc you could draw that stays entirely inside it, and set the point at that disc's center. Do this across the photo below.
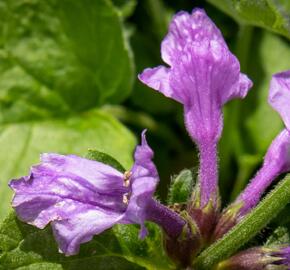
(22, 144)
(149, 252)
(25, 247)
(279, 237)
(181, 187)
(248, 227)
(265, 123)
(269, 14)
(145, 56)
(71, 64)
(125, 7)
(105, 158)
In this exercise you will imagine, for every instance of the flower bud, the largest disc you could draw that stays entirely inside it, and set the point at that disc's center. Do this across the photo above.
(258, 258)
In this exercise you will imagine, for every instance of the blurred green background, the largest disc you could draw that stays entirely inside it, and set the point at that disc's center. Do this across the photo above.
(68, 83)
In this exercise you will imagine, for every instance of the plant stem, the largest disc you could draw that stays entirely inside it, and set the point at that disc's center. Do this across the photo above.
(247, 228)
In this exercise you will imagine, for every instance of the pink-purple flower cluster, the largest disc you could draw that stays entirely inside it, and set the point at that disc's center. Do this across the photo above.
(82, 198)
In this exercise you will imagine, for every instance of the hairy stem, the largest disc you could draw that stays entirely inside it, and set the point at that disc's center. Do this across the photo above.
(247, 228)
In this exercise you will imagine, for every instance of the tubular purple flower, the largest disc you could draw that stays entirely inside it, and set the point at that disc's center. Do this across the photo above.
(279, 96)
(82, 198)
(202, 75)
(276, 161)
(258, 258)
(277, 158)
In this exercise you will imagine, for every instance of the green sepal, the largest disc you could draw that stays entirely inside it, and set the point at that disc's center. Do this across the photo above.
(247, 228)
(181, 187)
(189, 223)
(227, 220)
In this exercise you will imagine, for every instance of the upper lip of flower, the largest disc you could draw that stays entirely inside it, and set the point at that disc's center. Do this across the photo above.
(202, 74)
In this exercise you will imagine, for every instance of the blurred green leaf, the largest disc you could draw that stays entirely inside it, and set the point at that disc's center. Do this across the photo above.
(25, 247)
(279, 237)
(270, 14)
(272, 56)
(149, 252)
(125, 7)
(71, 53)
(22, 97)
(22, 143)
(105, 158)
(283, 218)
(145, 56)
(181, 187)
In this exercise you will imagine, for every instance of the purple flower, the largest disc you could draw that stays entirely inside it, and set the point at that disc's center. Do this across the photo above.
(202, 75)
(276, 161)
(82, 197)
(279, 97)
(258, 258)
(277, 158)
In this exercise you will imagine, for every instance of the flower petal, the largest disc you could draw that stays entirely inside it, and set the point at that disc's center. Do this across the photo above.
(158, 79)
(185, 29)
(95, 173)
(239, 89)
(55, 187)
(276, 162)
(81, 227)
(203, 73)
(278, 153)
(279, 97)
(144, 182)
(144, 166)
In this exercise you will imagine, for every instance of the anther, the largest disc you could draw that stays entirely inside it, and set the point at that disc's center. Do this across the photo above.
(126, 198)
(127, 176)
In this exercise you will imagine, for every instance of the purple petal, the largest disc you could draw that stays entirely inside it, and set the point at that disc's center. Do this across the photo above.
(187, 28)
(284, 254)
(278, 153)
(56, 187)
(238, 90)
(95, 173)
(276, 162)
(158, 79)
(81, 227)
(144, 181)
(203, 73)
(143, 165)
(279, 97)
